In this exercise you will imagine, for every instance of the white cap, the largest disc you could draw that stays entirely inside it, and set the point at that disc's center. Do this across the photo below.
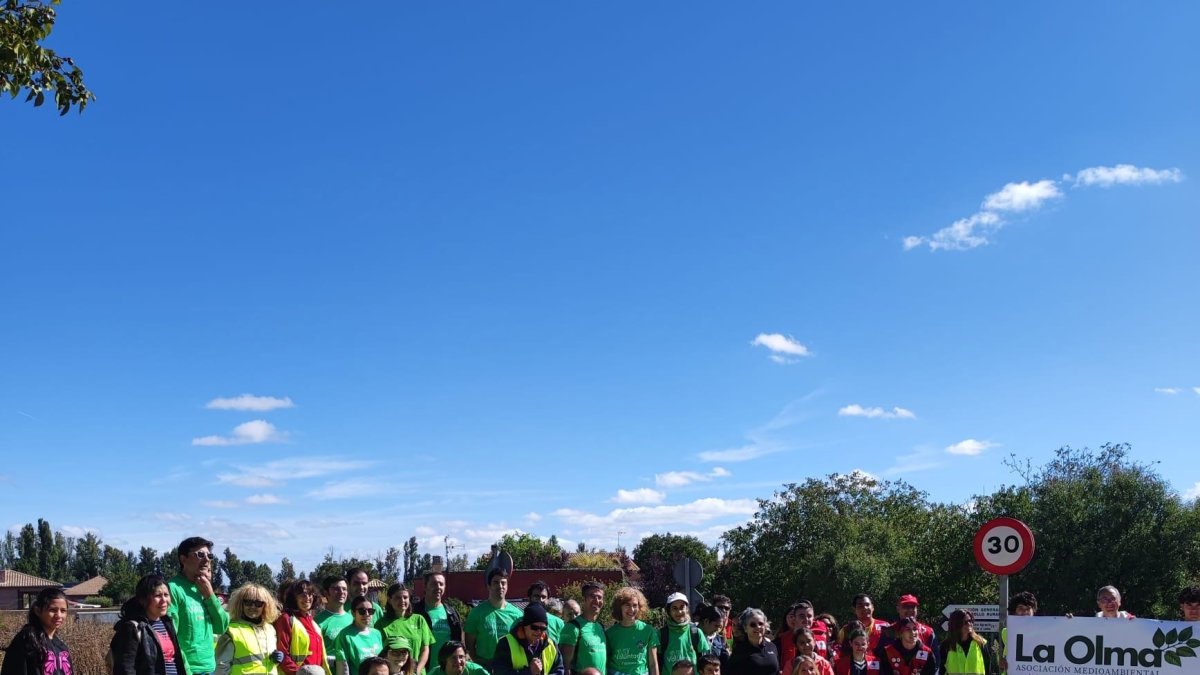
(677, 596)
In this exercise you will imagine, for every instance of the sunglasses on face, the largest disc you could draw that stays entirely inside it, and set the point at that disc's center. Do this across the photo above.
(364, 611)
(537, 627)
(202, 555)
(255, 603)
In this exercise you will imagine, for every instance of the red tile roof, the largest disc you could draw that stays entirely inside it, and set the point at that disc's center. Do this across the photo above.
(92, 586)
(15, 579)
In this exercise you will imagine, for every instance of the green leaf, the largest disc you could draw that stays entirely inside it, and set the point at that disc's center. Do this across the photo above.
(1185, 651)
(1172, 637)
(1185, 634)
(1193, 643)
(1172, 659)
(1159, 638)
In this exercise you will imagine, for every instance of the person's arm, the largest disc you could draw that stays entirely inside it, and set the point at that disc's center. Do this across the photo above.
(15, 662)
(570, 637)
(502, 661)
(885, 664)
(471, 633)
(124, 646)
(989, 661)
(652, 660)
(224, 653)
(424, 659)
(556, 668)
(216, 613)
(930, 667)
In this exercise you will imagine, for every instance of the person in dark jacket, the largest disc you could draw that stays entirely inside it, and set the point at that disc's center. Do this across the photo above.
(443, 620)
(36, 649)
(144, 640)
(527, 649)
(753, 653)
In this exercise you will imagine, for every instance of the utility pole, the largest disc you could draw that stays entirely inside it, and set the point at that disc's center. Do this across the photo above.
(619, 533)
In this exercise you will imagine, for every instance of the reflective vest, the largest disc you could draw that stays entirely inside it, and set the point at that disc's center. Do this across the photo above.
(301, 647)
(250, 653)
(902, 667)
(958, 663)
(520, 660)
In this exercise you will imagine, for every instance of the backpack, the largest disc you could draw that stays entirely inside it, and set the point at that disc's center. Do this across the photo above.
(109, 661)
(663, 634)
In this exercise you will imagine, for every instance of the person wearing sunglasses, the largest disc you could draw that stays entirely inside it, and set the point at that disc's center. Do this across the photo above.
(358, 641)
(527, 649)
(753, 652)
(299, 636)
(965, 652)
(249, 646)
(195, 608)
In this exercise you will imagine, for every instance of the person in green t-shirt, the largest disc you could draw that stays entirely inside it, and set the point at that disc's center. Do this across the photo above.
(334, 618)
(632, 643)
(357, 581)
(195, 608)
(489, 621)
(359, 640)
(452, 660)
(680, 639)
(540, 592)
(443, 620)
(399, 621)
(584, 644)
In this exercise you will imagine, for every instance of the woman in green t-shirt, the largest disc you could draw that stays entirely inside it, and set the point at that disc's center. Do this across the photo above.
(632, 643)
(398, 620)
(358, 641)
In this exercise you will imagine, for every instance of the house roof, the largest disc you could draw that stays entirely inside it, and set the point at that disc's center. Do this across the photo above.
(15, 579)
(377, 583)
(92, 586)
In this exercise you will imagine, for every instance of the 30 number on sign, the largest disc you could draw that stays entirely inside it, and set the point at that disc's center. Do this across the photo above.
(1004, 546)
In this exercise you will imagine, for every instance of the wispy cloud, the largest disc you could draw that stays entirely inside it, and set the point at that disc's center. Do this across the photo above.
(247, 433)
(25, 414)
(276, 472)
(766, 439)
(1170, 391)
(347, 489)
(672, 479)
(250, 402)
(1123, 174)
(743, 453)
(970, 447)
(974, 230)
(1192, 492)
(248, 480)
(639, 496)
(265, 499)
(533, 517)
(921, 459)
(1197, 390)
(783, 348)
(896, 413)
(660, 516)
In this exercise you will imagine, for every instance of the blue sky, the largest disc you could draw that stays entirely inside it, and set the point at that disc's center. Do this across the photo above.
(587, 268)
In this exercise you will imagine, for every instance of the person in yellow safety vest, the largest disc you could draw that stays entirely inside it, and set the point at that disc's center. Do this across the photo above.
(527, 649)
(299, 636)
(965, 652)
(248, 646)
(1021, 604)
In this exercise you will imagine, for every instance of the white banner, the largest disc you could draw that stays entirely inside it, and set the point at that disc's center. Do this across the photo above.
(1038, 645)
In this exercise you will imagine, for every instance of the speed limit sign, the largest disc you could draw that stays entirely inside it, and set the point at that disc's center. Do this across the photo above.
(1004, 546)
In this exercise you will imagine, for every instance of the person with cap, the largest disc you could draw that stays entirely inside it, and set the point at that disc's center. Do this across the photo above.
(540, 592)
(680, 639)
(398, 649)
(906, 608)
(909, 654)
(490, 621)
(527, 649)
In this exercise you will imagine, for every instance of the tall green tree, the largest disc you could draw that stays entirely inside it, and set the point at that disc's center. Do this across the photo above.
(528, 552)
(8, 551)
(287, 572)
(88, 558)
(656, 556)
(120, 568)
(27, 550)
(147, 561)
(411, 560)
(26, 65)
(388, 565)
(234, 571)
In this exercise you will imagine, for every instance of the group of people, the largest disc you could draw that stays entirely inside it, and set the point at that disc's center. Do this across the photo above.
(180, 626)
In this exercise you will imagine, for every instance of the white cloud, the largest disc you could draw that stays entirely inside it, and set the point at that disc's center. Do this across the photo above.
(247, 433)
(533, 517)
(264, 499)
(425, 531)
(77, 532)
(1023, 196)
(347, 489)
(1197, 390)
(659, 516)
(680, 478)
(856, 410)
(965, 233)
(1124, 174)
(272, 473)
(222, 504)
(920, 460)
(1170, 391)
(1192, 492)
(970, 447)
(250, 402)
(743, 454)
(170, 517)
(245, 480)
(639, 496)
(784, 348)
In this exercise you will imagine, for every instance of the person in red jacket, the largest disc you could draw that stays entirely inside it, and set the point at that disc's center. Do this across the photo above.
(908, 655)
(864, 612)
(820, 631)
(906, 608)
(857, 659)
(305, 656)
(806, 647)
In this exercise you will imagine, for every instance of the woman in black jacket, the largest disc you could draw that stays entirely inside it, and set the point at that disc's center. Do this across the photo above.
(36, 649)
(144, 640)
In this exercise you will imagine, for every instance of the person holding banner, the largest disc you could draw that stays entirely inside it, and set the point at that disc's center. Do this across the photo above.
(1189, 603)
(965, 652)
(1108, 599)
(1021, 604)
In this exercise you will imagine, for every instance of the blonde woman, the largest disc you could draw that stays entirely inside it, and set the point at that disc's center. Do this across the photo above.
(248, 647)
(632, 643)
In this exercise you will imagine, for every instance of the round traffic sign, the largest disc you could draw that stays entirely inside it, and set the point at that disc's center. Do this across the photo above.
(1004, 546)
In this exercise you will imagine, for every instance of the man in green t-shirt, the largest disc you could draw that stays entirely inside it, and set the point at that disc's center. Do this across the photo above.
(491, 620)
(443, 620)
(333, 618)
(195, 608)
(356, 582)
(584, 644)
(540, 592)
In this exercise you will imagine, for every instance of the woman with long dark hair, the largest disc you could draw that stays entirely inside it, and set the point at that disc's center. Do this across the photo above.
(36, 649)
(297, 633)
(144, 640)
(399, 620)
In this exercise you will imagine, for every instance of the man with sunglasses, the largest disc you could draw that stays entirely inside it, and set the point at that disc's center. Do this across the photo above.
(527, 649)
(195, 608)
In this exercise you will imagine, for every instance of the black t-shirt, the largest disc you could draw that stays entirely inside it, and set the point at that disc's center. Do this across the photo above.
(748, 659)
